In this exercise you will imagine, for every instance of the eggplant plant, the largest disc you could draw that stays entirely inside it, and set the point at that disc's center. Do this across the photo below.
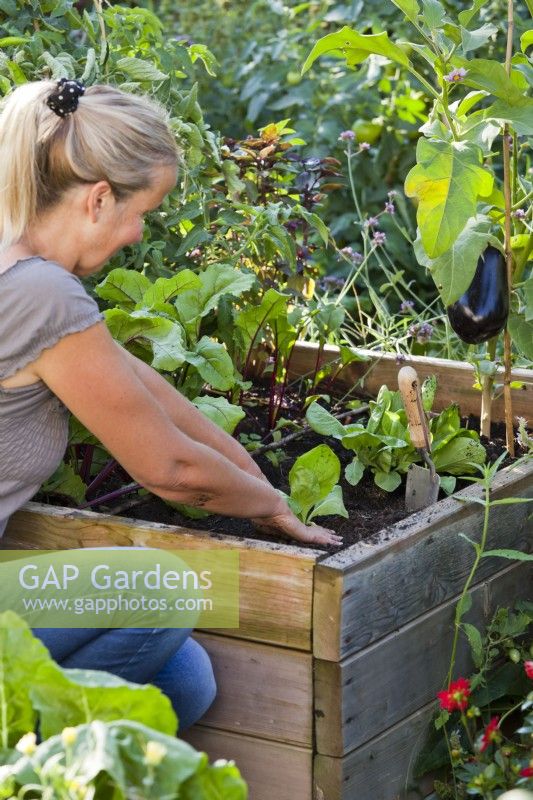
(481, 109)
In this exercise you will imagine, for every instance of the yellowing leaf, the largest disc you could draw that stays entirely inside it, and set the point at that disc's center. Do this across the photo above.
(447, 180)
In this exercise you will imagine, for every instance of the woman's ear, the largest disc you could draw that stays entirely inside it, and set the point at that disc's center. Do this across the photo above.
(100, 201)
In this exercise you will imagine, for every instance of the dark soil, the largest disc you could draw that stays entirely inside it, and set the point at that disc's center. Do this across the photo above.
(370, 509)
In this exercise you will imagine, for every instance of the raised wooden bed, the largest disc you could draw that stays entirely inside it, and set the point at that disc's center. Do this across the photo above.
(326, 688)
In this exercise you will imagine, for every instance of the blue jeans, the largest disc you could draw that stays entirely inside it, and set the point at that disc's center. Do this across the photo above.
(165, 657)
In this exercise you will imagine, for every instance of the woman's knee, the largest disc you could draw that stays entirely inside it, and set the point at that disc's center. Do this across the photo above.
(188, 680)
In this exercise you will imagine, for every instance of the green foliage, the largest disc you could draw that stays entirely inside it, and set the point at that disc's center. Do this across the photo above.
(384, 446)
(314, 484)
(102, 736)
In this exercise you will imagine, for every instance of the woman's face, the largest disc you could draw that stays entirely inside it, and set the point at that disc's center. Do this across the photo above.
(121, 223)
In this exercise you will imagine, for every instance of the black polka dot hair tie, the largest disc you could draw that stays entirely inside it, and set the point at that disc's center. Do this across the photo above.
(64, 100)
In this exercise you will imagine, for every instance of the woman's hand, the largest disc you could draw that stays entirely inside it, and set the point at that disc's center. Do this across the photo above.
(288, 524)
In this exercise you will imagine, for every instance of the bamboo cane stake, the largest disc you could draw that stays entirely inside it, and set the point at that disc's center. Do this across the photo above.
(508, 251)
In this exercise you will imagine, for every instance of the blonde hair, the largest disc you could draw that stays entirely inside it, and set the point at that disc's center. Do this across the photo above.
(114, 136)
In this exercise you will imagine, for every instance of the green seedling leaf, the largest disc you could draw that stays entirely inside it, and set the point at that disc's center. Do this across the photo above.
(321, 421)
(447, 484)
(388, 481)
(454, 270)
(312, 477)
(223, 413)
(354, 471)
(332, 505)
(513, 555)
(355, 48)
(447, 181)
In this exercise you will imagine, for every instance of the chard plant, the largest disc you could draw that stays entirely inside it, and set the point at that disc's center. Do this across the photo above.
(481, 118)
(384, 446)
(101, 736)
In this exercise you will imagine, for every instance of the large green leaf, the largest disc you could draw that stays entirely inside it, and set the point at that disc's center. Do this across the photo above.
(356, 47)
(139, 70)
(521, 331)
(21, 655)
(410, 8)
(470, 13)
(66, 482)
(253, 319)
(214, 364)
(447, 180)
(454, 270)
(162, 336)
(471, 40)
(125, 287)
(520, 116)
(166, 289)
(219, 280)
(75, 696)
(482, 73)
(220, 411)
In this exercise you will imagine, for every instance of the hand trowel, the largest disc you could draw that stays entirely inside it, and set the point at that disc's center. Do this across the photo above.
(422, 486)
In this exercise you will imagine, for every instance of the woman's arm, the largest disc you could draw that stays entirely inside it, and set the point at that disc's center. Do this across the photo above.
(188, 419)
(101, 388)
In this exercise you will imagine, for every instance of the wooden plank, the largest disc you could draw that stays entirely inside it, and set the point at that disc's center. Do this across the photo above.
(455, 379)
(363, 695)
(276, 580)
(271, 770)
(411, 567)
(381, 769)
(262, 690)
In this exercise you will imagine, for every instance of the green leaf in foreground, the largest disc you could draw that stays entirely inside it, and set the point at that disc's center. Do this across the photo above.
(521, 332)
(75, 696)
(447, 181)
(312, 477)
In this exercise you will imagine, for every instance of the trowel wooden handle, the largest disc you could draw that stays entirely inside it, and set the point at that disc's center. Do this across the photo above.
(416, 419)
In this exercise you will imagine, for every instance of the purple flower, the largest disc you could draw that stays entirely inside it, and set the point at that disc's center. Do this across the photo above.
(371, 222)
(331, 282)
(392, 194)
(364, 146)
(347, 136)
(390, 208)
(406, 306)
(455, 75)
(379, 238)
(350, 253)
(519, 213)
(422, 332)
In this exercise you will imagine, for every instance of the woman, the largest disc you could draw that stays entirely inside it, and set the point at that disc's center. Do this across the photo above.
(79, 169)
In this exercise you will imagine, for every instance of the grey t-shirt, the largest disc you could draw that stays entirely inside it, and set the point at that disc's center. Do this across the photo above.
(40, 302)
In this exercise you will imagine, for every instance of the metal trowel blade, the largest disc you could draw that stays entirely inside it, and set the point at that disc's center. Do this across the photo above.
(420, 490)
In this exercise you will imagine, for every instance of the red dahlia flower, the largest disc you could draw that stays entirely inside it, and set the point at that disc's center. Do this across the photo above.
(527, 772)
(528, 666)
(490, 735)
(455, 697)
